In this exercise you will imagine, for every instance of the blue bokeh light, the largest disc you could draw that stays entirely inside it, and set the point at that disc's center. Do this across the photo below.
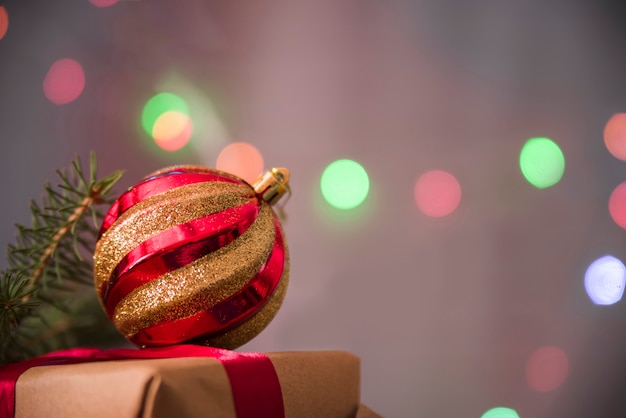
(605, 279)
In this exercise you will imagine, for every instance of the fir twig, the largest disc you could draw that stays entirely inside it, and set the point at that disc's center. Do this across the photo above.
(39, 292)
(35, 277)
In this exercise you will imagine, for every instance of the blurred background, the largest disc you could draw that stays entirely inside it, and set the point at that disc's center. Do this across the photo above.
(469, 250)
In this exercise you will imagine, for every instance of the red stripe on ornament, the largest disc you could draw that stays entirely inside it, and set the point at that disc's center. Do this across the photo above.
(155, 185)
(175, 248)
(225, 314)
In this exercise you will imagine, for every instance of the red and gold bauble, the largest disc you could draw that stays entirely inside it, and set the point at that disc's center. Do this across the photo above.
(193, 255)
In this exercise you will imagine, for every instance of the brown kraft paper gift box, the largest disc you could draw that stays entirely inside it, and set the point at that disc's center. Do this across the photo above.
(313, 384)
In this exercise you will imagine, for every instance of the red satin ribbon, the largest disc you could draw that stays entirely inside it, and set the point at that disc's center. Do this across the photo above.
(254, 382)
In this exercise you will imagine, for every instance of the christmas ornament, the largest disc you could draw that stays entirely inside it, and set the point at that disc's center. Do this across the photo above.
(193, 254)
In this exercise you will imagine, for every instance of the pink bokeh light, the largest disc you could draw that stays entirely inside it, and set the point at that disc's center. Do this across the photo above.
(547, 368)
(617, 205)
(103, 3)
(615, 135)
(172, 131)
(242, 159)
(64, 81)
(4, 21)
(437, 193)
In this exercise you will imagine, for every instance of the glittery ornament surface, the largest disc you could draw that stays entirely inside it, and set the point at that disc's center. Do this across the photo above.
(203, 260)
(253, 326)
(159, 213)
(204, 282)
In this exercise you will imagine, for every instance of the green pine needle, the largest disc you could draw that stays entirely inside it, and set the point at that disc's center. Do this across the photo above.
(47, 298)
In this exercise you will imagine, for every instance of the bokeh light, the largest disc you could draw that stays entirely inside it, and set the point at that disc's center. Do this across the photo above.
(103, 3)
(500, 412)
(158, 105)
(172, 130)
(615, 135)
(64, 81)
(605, 279)
(617, 205)
(437, 193)
(345, 184)
(241, 159)
(4, 21)
(547, 368)
(542, 162)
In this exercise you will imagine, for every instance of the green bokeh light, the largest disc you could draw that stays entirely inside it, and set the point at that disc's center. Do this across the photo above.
(159, 104)
(542, 162)
(345, 184)
(500, 412)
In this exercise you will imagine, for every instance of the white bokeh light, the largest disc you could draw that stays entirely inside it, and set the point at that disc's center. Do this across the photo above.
(605, 279)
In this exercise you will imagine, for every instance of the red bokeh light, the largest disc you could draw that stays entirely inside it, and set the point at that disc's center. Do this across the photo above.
(241, 159)
(64, 82)
(615, 135)
(547, 368)
(172, 130)
(4, 21)
(437, 193)
(617, 205)
(103, 3)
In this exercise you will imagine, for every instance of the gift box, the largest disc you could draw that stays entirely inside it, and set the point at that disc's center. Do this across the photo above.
(311, 384)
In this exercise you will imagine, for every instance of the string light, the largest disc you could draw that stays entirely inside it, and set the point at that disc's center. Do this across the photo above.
(4, 21)
(542, 162)
(172, 130)
(159, 104)
(165, 117)
(605, 279)
(615, 135)
(437, 193)
(103, 3)
(242, 159)
(500, 412)
(547, 368)
(344, 184)
(64, 82)
(617, 205)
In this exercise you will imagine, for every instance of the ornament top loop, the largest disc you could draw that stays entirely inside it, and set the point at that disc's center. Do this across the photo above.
(272, 185)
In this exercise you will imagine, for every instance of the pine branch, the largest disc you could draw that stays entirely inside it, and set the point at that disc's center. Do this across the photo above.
(49, 278)
(35, 277)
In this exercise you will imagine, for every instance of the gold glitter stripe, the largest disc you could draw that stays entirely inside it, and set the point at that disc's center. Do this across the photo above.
(158, 213)
(246, 331)
(200, 284)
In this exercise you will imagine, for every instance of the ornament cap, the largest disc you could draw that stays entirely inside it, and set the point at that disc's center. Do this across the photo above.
(272, 185)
